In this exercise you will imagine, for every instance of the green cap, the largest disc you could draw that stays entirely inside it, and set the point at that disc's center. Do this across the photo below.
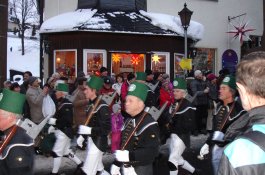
(230, 81)
(12, 101)
(141, 76)
(138, 90)
(95, 82)
(62, 87)
(179, 83)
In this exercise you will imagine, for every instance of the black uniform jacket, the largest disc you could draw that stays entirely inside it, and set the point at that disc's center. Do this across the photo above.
(101, 125)
(144, 144)
(64, 116)
(18, 157)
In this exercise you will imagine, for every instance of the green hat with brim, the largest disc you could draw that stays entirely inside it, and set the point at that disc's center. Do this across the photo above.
(138, 90)
(95, 82)
(141, 76)
(230, 81)
(62, 87)
(179, 83)
(12, 101)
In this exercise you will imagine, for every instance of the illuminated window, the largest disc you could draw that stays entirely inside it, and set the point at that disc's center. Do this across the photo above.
(65, 63)
(93, 61)
(160, 62)
(123, 62)
(178, 71)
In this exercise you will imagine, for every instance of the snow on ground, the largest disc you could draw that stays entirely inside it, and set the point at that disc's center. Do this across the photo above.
(28, 62)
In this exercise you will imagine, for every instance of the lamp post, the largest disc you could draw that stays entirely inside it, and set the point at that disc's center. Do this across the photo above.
(185, 16)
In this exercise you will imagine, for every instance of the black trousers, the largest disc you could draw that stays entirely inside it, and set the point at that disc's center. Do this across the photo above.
(201, 117)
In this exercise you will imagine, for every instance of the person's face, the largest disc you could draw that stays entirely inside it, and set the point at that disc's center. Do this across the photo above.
(105, 73)
(119, 80)
(160, 78)
(26, 77)
(89, 93)
(107, 85)
(224, 92)
(7, 119)
(178, 94)
(17, 89)
(36, 83)
(132, 105)
(150, 77)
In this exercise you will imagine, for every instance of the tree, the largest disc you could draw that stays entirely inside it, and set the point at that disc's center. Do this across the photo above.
(26, 13)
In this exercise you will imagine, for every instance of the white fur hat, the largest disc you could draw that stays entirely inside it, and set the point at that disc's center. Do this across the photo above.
(197, 73)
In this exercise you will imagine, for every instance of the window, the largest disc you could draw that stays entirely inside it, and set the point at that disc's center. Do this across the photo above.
(204, 59)
(65, 63)
(160, 62)
(94, 60)
(178, 71)
(127, 62)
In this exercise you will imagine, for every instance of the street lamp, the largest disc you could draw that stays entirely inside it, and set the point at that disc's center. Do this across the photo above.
(185, 16)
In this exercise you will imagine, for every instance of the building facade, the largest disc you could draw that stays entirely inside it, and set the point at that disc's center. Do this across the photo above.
(127, 52)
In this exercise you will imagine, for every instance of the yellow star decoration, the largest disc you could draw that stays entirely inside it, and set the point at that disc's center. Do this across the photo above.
(116, 58)
(135, 60)
(186, 63)
(156, 59)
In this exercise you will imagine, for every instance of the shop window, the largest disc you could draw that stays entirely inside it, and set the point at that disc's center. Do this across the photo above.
(204, 59)
(125, 63)
(178, 71)
(65, 63)
(160, 62)
(93, 61)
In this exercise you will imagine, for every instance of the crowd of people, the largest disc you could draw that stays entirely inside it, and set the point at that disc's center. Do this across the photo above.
(228, 108)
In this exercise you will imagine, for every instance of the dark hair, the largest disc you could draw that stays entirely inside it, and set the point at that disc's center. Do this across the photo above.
(14, 85)
(119, 75)
(148, 72)
(251, 73)
(103, 69)
(28, 72)
(81, 80)
(130, 76)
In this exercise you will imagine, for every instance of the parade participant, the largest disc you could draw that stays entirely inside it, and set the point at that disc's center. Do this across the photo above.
(17, 156)
(63, 122)
(224, 114)
(150, 99)
(139, 151)
(246, 155)
(181, 121)
(97, 129)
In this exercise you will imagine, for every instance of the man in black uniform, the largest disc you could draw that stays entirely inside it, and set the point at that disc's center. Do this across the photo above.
(97, 129)
(225, 113)
(63, 122)
(139, 151)
(17, 156)
(181, 121)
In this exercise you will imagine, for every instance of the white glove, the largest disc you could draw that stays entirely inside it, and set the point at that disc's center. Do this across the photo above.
(204, 150)
(52, 121)
(218, 136)
(115, 170)
(206, 90)
(84, 130)
(80, 141)
(51, 129)
(122, 156)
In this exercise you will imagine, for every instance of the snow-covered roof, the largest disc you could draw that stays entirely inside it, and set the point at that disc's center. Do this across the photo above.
(121, 22)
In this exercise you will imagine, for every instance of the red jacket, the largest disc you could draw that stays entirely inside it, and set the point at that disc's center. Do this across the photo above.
(165, 96)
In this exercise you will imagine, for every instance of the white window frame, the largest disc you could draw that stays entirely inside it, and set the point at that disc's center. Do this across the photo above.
(85, 51)
(167, 54)
(63, 50)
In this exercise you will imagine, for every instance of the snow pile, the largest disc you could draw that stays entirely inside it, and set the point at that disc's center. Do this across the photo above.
(83, 18)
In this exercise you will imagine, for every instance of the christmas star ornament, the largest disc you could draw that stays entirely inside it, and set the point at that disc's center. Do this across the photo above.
(156, 59)
(135, 60)
(241, 32)
(116, 58)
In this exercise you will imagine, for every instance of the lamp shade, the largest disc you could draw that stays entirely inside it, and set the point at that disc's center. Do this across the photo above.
(185, 16)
